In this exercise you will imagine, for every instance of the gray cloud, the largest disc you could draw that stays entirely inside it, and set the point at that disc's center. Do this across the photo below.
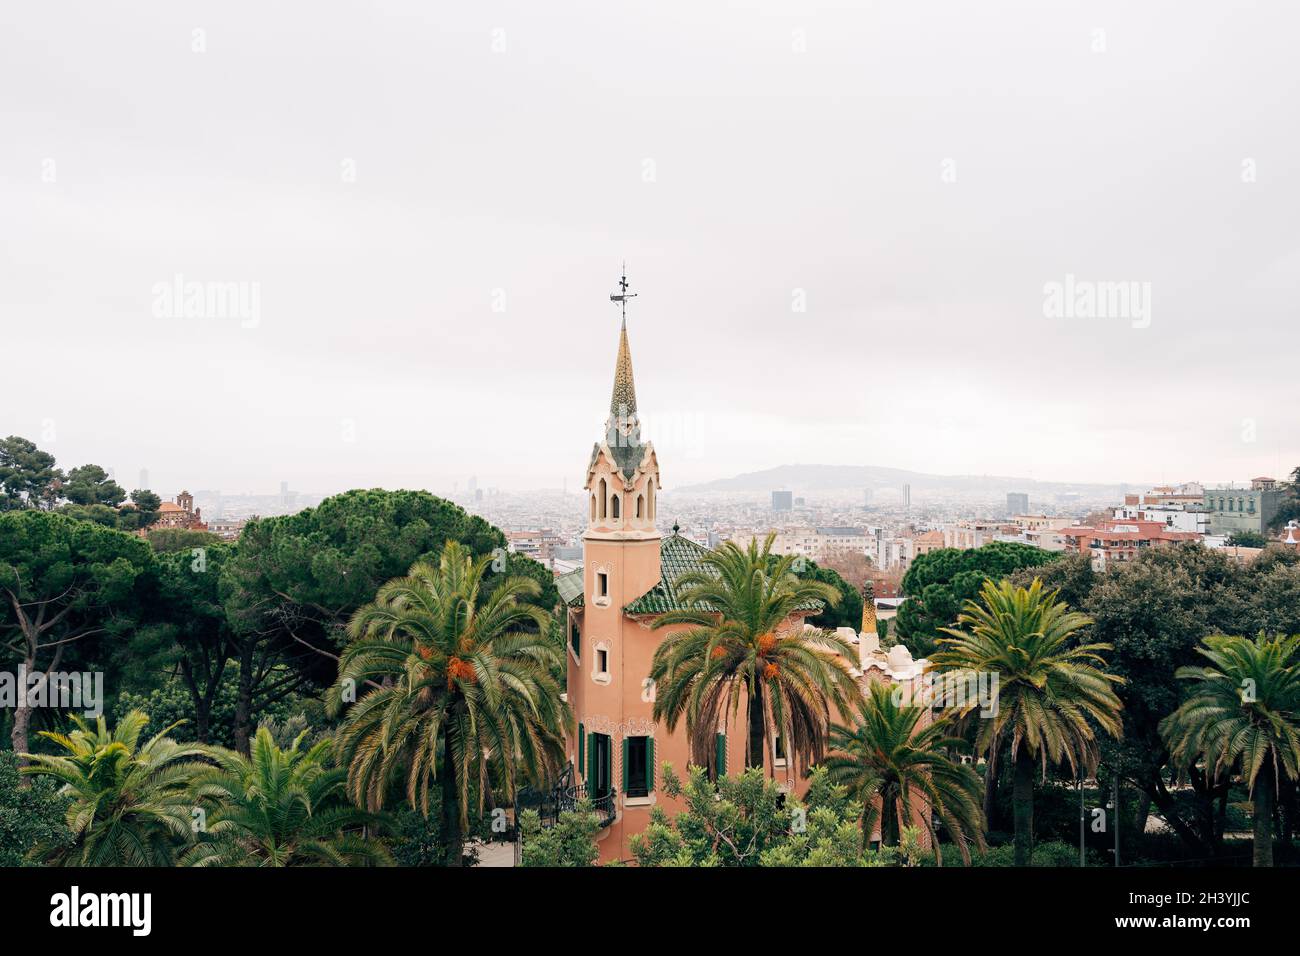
(917, 174)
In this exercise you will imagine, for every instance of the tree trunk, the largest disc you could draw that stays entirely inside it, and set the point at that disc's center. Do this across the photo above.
(889, 821)
(754, 758)
(990, 792)
(244, 703)
(1022, 799)
(202, 721)
(1263, 813)
(453, 838)
(22, 719)
(1153, 786)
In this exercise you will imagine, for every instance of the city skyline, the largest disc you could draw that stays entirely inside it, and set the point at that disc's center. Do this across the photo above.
(896, 280)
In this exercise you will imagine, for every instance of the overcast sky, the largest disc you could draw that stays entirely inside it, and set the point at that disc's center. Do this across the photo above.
(840, 218)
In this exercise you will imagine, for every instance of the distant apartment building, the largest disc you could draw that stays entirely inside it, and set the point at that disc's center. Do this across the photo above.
(815, 543)
(975, 533)
(228, 529)
(893, 553)
(926, 542)
(838, 540)
(782, 501)
(1049, 539)
(1187, 495)
(1017, 502)
(1174, 517)
(1028, 522)
(528, 543)
(1232, 510)
(1117, 541)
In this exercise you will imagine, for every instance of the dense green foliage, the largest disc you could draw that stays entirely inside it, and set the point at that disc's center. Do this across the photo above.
(784, 681)
(940, 582)
(746, 820)
(1053, 694)
(213, 639)
(451, 666)
(571, 842)
(893, 756)
(279, 807)
(30, 816)
(1242, 717)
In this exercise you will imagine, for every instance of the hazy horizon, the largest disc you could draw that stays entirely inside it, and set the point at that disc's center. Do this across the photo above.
(844, 227)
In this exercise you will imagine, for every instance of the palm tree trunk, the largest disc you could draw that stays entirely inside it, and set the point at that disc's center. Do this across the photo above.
(1022, 800)
(1263, 821)
(991, 791)
(889, 821)
(454, 840)
(755, 756)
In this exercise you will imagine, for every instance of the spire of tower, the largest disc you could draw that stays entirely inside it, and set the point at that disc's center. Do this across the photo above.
(622, 403)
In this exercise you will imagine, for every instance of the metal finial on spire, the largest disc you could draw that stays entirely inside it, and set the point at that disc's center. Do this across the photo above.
(623, 295)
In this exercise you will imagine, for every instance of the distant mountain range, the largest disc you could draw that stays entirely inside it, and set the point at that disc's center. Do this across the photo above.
(831, 478)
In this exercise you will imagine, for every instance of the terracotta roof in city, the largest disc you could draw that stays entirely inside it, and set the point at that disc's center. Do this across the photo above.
(170, 506)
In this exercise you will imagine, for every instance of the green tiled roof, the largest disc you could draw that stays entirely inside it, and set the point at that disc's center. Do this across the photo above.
(570, 587)
(677, 556)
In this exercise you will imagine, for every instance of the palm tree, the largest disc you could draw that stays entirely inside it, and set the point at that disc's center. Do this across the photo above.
(741, 647)
(1050, 688)
(280, 808)
(453, 671)
(893, 755)
(1242, 715)
(130, 802)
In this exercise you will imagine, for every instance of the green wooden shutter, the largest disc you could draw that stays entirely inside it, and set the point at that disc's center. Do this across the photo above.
(721, 759)
(591, 763)
(582, 749)
(625, 765)
(649, 764)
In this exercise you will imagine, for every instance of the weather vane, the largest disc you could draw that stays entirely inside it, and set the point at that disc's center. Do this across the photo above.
(623, 295)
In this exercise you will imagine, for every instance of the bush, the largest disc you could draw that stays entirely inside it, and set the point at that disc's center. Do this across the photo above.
(28, 816)
(1053, 853)
(571, 842)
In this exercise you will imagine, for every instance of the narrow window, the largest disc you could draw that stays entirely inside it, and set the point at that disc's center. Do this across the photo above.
(614, 504)
(602, 584)
(602, 661)
(604, 497)
(638, 766)
(640, 506)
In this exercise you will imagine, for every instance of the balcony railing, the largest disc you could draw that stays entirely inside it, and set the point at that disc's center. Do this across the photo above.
(565, 799)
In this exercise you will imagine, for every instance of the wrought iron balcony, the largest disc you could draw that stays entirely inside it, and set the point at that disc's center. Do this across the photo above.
(565, 797)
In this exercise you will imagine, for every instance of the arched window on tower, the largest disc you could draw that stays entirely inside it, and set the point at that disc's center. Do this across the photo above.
(640, 506)
(604, 497)
(593, 507)
(650, 499)
(614, 504)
